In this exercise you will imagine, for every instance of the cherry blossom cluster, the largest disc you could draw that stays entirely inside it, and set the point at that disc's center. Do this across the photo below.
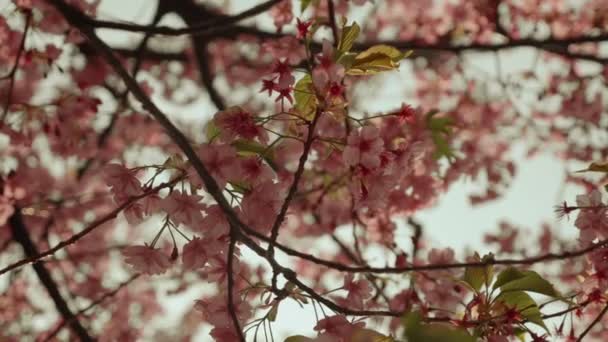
(289, 186)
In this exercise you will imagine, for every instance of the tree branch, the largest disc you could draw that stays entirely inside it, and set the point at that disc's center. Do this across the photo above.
(146, 54)
(110, 216)
(431, 267)
(74, 17)
(191, 13)
(209, 28)
(230, 269)
(595, 321)
(161, 10)
(223, 26)
(11, 74)
(98, 301)
(21, 235)
(332, 21)
(294, 185)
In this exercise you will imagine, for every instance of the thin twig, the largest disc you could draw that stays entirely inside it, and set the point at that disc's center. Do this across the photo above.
(332, 21)
(13, 71)
(230, 268)
(98, 301)
(110, 216)
(208, 28)
(21, 235)
(595, 321)
(431, 267)
(293, 188)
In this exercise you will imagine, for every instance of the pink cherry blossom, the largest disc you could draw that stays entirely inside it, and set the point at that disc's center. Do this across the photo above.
(88, 120)
(506, 239)
(152, 204)
(282, 14)
(338, 327)
(146, 259)
(216, 269)
(358, 291)
(407, 114)
(327, 76)
(441, 256)
(183, 208)
(214, 225)
(224, 334)
(364, 148)
(220, 160)
(194, 254)
(235, 122)
(260, 207)
(255, 171)
(134, 213)
(122, 181)
(302, 28)
(287, 48)
(286, 79)
(592, 219)
(215, 312)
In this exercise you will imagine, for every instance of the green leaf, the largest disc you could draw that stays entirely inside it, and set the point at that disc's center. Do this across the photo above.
(211, 130)
(249, 148)
(596, 167)
(241, 187)
(175, 162)
(368, 335)
(371, 65)
(347, 60)
(441, 129)
(507, 275)
(298, 338)
(416, 331)
(439, 124)
(387, 50)
(520, 333)
(476, 276)
(376, 59)
(304, 94)
(347, 39)
(304, 4)
(526, 306)
(530, 281)
(272, 314)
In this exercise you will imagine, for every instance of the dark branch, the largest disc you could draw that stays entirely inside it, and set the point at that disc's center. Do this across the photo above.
(98, 301)
(230, 270)
(75, 18)
(12, 73)
(21, 235)
(294, 185)
(146, 54)
(431, 267)
(192, 13)
(332, 21)
(95, 224)
(210, 26)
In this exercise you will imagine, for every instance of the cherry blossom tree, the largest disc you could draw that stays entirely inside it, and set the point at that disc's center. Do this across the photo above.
(107, 190)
